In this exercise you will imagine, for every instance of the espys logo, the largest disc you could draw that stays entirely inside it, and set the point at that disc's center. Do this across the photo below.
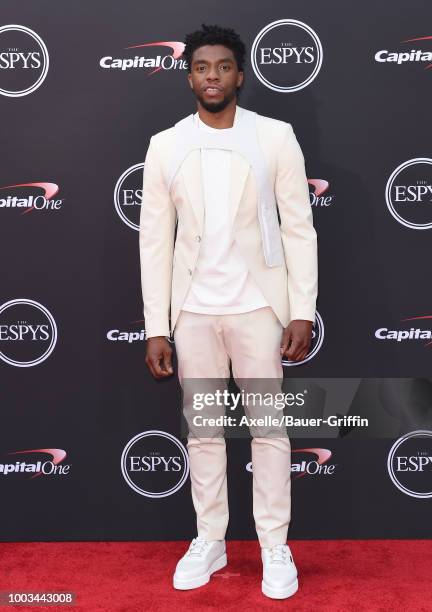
(409, 464)
(128, 195)
(40, 467)
(401, 335)
(317, 197)
(409, 193)
(309, 466)
(155, 464)
(28, 333)
(286, 55)
(317, 340)
(25, 197)
(406, 57)
(24, 61)
(156, 61)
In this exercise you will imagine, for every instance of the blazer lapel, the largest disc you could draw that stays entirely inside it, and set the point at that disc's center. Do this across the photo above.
(192, 175)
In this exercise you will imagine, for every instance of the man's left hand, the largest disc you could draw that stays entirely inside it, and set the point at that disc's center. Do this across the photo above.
(296, 340)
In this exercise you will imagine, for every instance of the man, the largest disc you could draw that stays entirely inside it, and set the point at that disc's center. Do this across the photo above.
(234, 288)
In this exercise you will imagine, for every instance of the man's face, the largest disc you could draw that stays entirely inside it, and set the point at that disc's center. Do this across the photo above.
(214, 76)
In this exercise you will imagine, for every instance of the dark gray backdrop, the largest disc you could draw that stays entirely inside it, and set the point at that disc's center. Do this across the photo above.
(82, 129)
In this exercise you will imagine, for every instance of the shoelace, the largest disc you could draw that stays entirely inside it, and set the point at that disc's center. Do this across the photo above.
(279, 553)
(197, 546)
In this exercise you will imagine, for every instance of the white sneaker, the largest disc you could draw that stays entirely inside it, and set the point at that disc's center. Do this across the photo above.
(202, 559)
(279, 572)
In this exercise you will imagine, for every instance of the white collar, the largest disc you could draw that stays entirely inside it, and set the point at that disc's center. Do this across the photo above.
(200, 122)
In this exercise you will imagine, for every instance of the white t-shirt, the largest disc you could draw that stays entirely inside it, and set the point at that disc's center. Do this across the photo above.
(221, 283)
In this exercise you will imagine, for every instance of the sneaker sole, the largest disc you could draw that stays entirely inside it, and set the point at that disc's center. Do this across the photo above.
(280, 593)
(193, 583)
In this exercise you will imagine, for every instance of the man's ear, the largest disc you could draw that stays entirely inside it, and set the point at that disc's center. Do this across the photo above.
(190, 80)
(240, 77)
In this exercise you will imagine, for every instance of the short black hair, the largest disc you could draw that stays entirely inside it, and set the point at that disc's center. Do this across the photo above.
(215, 35)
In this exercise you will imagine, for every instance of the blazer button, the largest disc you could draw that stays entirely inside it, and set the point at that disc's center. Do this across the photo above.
(190, 271)
(198, 238)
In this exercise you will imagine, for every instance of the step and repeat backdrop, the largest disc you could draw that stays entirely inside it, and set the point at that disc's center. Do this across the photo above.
(91, 446)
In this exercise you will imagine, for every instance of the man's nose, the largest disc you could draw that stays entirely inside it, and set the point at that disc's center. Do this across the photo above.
(213, 74)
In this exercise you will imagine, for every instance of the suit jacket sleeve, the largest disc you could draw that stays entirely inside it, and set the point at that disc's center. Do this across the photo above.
(299, 237)
(156, 245)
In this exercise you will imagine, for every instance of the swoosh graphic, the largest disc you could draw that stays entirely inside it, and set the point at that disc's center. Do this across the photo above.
(321, 186)
(419, 38)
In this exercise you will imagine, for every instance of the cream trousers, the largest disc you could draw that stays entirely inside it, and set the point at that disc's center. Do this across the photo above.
(205, 344)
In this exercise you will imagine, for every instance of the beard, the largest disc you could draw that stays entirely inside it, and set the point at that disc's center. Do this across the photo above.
(216, 107)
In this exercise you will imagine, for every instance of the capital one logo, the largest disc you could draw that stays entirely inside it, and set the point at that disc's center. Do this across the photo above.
(409, 464)
(40, 467)
(286, 55)
(155, 464)
(128, 195)
(407, 335)
(24, 61)
(399, 58)
(129, 336)
(28, 333)
(155, 60)
(317, 340)
(311, 461)
(409, 193)
(27, 197)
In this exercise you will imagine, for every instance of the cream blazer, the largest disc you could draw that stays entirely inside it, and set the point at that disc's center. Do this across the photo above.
(168, 262)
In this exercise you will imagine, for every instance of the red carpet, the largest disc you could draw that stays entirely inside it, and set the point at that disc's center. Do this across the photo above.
(337, 575)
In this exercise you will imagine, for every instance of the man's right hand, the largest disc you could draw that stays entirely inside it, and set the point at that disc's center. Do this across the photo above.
(159, 357)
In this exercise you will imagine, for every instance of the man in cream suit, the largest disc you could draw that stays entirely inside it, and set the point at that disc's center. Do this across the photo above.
(235, 287)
